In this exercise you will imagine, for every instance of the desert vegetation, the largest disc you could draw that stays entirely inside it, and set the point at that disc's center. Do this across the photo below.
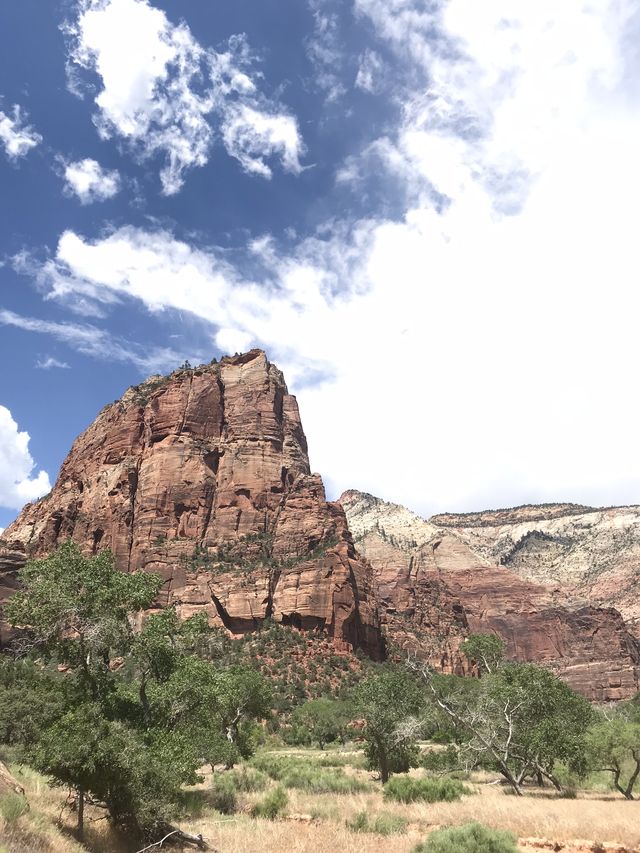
(127, 733)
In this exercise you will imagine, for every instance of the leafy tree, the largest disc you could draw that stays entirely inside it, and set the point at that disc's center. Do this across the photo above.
(389, 703)
(614, 745)
(137, 713)
(486, 651)
(74, 610)
(323, 720)
(519, 719)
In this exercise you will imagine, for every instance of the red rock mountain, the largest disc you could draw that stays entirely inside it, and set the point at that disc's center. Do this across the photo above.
(434, 588)
(203, 476)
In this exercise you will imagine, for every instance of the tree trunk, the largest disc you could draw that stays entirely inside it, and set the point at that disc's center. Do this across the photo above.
(80, 814)
(632, 779)
(384, 762)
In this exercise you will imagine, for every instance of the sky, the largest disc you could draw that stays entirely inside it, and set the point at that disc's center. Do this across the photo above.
(425, 211)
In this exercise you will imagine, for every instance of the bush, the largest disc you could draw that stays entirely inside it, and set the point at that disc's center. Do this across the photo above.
(13, 806)
(307, 776)
(272, 805)
(358, 823)
(389, 824)
(405, 789)
(248, 779)
(383, 823)
(224, 795)
(470, 838)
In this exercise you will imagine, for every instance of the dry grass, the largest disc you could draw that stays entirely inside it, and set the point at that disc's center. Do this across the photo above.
(593, 816)
(38, 832)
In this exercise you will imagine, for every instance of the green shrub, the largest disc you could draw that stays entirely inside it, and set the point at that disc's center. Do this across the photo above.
(441, 760)
(389, 824)
(224, 794)
(13, 806)
(308, 775)
(248, 779)
(383, 823)
(405, 789)
(272, 805)
(470, 838)
(359, 822)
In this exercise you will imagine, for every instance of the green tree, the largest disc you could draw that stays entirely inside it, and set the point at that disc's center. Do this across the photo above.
(486, 651)
(614, 745)
(137, 713)
(323, 720)
(519, 719)
(390, 703)
(75, 609)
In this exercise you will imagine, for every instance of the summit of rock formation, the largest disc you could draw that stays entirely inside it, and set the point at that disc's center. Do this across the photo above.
(439, 580)
(203, 477)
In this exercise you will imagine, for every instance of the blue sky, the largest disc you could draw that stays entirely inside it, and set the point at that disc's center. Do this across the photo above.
(423, 211)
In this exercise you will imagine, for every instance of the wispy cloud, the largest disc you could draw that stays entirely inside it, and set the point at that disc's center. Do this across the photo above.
(326, 49)
(49, 362)
(164, 93)
(97, 343)
(17, 137)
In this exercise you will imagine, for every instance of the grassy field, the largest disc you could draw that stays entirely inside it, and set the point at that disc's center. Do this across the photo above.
(333, 805)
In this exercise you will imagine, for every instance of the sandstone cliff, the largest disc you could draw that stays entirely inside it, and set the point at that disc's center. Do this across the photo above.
(203, 477)
(592, 554)
(433, 589)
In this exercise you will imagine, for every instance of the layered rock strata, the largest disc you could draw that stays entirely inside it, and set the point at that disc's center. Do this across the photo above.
(203, 477)
(433, 589)
(593, 554)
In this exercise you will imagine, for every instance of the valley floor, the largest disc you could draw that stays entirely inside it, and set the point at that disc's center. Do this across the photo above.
(317, 823)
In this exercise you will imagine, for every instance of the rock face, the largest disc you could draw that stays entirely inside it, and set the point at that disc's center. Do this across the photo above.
(433, 589)
(593, 554)
(203, 477)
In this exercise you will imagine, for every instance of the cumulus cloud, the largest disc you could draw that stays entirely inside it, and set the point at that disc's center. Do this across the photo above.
(89, 181)
(479, 348)
(163, 93)
(18, 482)
(17, 137)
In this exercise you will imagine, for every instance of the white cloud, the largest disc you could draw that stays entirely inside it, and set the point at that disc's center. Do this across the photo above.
(17, 137)
(18, 483)
(162, 92)
(50, 362)
(370, 71)
(325, 48)
(251, 135)
(480, 349)
(89, 181)
(97, 343)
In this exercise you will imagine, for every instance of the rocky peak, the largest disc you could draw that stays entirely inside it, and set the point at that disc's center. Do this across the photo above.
(203, 476)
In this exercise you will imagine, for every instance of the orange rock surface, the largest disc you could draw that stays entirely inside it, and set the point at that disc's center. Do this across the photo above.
(433, 590)
(203, 477)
